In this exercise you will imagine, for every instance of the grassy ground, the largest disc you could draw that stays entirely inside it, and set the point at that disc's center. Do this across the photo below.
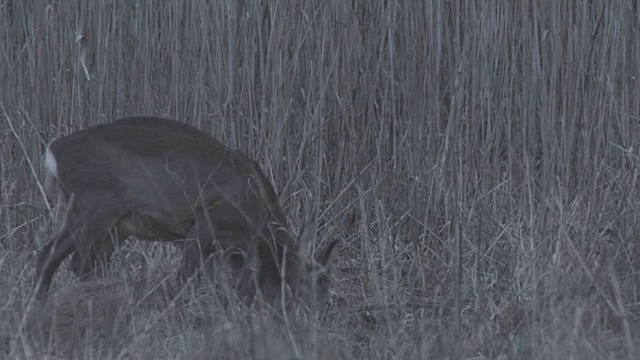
(477, 159)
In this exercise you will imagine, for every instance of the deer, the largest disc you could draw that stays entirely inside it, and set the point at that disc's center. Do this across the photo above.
(159, 179)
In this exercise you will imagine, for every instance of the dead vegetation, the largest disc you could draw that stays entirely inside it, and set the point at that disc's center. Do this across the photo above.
(478, 160)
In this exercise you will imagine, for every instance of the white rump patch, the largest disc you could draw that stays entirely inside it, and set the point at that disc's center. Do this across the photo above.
(50, 163)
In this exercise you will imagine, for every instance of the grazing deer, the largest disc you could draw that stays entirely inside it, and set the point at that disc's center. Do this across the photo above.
(159, 179)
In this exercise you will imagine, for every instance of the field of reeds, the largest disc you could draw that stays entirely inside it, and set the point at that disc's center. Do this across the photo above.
(478, 161)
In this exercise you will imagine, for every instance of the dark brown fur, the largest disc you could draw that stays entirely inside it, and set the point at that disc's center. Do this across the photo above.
(162, 180)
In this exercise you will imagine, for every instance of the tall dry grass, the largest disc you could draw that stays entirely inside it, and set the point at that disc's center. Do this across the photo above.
(478, 160)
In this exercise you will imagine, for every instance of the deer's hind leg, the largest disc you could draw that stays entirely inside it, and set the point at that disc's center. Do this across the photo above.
(98, 261)
(54, 252)
(95, 242)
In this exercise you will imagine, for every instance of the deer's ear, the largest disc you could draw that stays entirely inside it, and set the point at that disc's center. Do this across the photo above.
(309, 232)
(327, 255)
(308, 237)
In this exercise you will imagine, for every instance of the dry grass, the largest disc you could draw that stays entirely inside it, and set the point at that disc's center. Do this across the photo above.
(478, 160)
